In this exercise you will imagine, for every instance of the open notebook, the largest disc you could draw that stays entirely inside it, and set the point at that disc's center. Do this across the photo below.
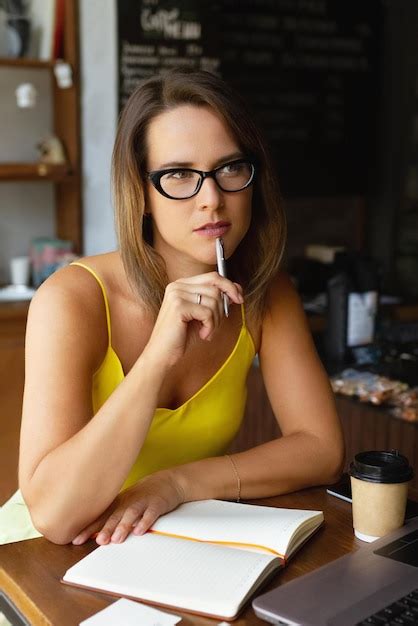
(206, 557)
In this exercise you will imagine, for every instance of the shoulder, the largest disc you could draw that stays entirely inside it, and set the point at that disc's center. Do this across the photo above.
(282, 304)
(282, 297)
(73, 287)
(69, 308)
(284, 312)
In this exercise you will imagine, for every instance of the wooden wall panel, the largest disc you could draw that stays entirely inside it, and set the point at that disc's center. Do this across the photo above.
(259, 424)
(12, 365)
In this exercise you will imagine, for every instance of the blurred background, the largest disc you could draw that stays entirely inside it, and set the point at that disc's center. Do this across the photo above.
(334, 85)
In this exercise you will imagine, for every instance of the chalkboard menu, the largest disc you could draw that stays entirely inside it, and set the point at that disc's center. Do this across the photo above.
(157, 35)
(309, 70)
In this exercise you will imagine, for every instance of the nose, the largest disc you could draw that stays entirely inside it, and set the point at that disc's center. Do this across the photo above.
(209, 196)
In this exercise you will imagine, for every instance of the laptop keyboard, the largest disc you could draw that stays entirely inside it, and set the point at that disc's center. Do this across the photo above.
(404, 611)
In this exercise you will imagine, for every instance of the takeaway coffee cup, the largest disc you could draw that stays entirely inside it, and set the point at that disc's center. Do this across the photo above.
(379, 485)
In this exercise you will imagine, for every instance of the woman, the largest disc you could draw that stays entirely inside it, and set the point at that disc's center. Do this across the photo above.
(135, 379)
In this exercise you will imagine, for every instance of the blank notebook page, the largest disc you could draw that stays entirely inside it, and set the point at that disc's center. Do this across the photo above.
(216, 520)
(196, 576)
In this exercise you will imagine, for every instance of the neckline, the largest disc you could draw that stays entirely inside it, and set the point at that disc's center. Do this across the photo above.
(215, 375)
(243, 331)
(110, 349)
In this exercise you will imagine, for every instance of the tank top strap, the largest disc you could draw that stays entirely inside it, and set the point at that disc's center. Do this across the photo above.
(106, 302)
(243, 315)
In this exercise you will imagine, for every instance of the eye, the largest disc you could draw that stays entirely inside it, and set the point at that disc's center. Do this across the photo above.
(231, 169)
(179, 175)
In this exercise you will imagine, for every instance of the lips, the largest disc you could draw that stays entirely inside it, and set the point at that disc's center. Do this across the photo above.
(212, 226)
(213, 229)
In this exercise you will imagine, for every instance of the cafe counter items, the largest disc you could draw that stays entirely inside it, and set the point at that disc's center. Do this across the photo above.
(19, 288)
(47, 255)
(401, 399)
(27, 273)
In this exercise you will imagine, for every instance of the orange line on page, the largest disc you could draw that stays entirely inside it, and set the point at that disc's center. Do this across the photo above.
(224, 543)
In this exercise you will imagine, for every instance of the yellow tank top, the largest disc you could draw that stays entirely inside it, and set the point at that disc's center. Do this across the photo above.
(201, 427)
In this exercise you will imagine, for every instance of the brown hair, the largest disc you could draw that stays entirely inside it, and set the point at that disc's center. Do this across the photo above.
(256, 260)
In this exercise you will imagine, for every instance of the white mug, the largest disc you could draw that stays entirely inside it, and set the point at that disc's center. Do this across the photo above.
(26, 95)
(20, 270)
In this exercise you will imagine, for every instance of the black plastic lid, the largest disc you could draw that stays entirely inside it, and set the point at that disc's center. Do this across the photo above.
(381, 467)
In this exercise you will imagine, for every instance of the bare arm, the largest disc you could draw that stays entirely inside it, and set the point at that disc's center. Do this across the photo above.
(311, 448)
(73, 464)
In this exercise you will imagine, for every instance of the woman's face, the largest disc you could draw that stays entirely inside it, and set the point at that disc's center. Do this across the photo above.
(194, 137)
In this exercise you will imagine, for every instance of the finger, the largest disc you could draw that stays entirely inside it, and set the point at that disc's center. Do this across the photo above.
(214, 303)
(206, 317)
(88, 532)
(107, 529)
(214, 295)
(151, 514)
(186, 305)
(232, 290)
(192, 290)
(240, 289)
(210, 298)
(202, 286)
(127, 521)
(224, 284)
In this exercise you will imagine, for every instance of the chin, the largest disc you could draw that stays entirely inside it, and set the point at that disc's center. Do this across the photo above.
(207, 260)
(207, 254)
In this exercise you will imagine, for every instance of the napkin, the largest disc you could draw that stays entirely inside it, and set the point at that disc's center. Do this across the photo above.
(15, 521)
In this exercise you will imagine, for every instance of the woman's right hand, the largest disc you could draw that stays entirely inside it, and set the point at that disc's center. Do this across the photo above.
(182, 319)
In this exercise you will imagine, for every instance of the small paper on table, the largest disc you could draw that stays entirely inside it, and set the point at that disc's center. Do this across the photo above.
(130, 613)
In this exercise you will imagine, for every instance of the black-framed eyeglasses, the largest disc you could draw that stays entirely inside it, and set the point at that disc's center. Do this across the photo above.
(181, 183)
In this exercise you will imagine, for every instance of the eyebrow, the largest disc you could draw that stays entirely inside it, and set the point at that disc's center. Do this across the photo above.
(189, 164)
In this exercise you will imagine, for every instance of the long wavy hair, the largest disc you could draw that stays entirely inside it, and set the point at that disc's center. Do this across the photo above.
(256, 260)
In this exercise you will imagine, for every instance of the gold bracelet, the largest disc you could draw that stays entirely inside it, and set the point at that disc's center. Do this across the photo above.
(237, 475)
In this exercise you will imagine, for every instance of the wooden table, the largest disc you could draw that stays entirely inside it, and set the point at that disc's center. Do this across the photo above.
(30, 571)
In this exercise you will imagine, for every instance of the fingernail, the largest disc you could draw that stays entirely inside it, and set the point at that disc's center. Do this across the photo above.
(102, 537)
(139, 530)
(77, 541)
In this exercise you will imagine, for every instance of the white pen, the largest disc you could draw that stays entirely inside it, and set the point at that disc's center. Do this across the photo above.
(220, 262)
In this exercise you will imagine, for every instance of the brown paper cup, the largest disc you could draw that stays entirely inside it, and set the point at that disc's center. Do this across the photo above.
(378, 509)
(379, 484)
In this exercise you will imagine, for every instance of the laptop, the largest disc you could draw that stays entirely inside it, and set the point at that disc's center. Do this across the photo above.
(377, 584)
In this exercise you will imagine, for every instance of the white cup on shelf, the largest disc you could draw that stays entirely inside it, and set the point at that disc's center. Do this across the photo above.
(26, 95)
(20, 271)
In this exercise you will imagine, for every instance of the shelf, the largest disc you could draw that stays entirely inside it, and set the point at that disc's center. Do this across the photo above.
(34, 171)
(65, 125)
(26, 63)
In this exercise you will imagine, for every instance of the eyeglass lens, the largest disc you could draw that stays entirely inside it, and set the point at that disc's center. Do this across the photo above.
(182, 183)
